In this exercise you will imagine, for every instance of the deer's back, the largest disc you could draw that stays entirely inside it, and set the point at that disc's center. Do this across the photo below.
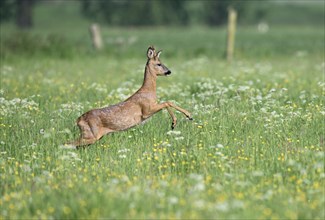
(115, 117)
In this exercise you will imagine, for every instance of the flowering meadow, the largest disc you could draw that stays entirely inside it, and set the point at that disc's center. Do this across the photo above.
(255, 149)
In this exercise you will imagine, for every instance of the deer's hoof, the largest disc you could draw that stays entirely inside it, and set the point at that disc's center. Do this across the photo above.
(190, 118)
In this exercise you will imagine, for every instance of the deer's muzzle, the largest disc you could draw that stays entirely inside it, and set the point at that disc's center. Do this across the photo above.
(168, 73)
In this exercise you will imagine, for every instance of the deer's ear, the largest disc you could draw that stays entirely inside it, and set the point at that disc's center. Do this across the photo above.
(151, 52)
(158, 53)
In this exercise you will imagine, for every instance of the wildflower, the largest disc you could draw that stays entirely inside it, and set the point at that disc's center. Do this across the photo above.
(222, 206)
(66, 210)
(176, 133)
(173, 200)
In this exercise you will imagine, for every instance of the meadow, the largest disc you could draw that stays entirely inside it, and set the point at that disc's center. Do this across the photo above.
(255, 149)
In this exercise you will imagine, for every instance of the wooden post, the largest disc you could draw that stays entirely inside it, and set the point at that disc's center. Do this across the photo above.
(96, 36)
(232, 16)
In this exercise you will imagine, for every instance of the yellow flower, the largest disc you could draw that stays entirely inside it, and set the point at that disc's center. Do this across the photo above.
(7, 198)
(267, 211)
(51, 210)
(66, 210)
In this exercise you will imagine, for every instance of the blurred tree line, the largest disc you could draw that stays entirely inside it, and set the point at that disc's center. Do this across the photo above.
(162, 12)
(22, 10)
(138, 12)
(174, 12)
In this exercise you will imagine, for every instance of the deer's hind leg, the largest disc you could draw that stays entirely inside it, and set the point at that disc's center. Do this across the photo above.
(86, 136)
(89, 131)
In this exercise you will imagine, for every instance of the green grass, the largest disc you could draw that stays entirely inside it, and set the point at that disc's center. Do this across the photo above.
(255, 149)
(181, 42)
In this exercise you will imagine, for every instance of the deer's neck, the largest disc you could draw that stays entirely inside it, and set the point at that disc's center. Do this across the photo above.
(149, 82)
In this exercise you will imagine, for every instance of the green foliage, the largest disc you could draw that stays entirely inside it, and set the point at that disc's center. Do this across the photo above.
(187, 42)
(160, 12)
(135, 13)
(254, 150)
(173, 12)
(7, 9)
(212, 13)
(216, 12)
(35, 45)
(67, 35)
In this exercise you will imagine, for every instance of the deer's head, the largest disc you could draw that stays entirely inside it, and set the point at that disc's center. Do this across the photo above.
(154, 64)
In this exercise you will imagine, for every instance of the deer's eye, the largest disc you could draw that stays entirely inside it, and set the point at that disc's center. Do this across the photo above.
(159, 64)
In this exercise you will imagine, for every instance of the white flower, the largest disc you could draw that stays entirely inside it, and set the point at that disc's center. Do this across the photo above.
(173, 200)
(223, 206)
(173, 133)
(179, 138)
(220, 146)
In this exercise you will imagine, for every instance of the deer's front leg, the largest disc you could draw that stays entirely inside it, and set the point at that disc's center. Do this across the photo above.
(173, 117)
(169, 105)
(186, 113)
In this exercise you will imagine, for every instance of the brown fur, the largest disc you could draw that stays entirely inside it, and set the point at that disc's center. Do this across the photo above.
(96, 123)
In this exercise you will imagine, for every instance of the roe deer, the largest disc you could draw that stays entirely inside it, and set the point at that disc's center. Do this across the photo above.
(96, 123)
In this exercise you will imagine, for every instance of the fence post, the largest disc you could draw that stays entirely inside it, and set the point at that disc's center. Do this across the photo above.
(96, 36)
(232, 16)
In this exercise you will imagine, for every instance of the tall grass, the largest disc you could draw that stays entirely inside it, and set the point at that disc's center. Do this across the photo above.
(177, 43)
(254, 150)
